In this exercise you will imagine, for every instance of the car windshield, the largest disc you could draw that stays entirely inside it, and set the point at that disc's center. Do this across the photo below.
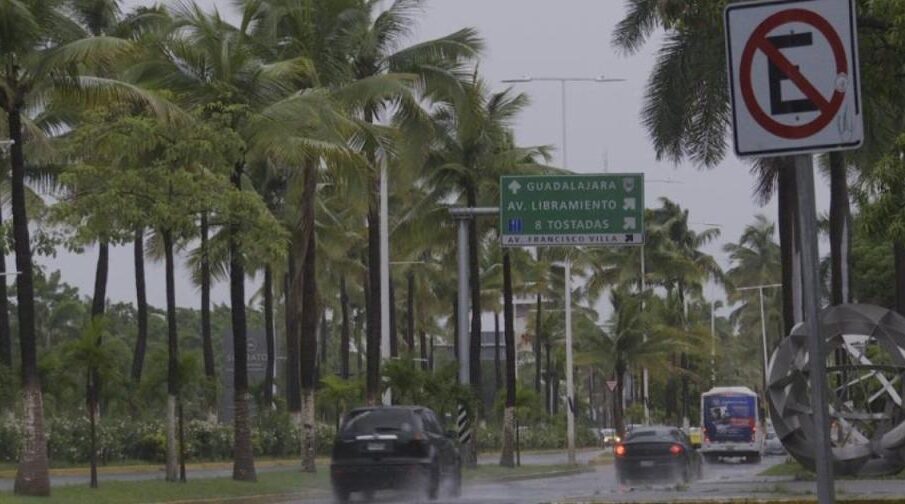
(650, 435)
(371, 421)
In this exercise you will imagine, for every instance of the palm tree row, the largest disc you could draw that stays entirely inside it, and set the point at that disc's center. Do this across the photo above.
(251, 142)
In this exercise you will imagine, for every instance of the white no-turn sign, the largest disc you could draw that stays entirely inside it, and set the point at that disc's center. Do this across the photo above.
(793, 76)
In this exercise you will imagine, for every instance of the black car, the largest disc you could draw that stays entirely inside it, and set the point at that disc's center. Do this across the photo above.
(656, 453)
(394, 447)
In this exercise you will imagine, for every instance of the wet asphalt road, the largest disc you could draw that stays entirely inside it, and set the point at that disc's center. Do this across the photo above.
(720, 480)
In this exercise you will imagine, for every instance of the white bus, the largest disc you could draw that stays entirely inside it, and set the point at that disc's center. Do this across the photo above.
(731, 424)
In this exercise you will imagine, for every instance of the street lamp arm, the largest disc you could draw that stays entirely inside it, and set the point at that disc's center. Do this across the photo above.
(758, 287)
(561, 79)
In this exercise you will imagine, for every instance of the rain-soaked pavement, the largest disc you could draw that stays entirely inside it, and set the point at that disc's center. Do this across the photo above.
(720, 482)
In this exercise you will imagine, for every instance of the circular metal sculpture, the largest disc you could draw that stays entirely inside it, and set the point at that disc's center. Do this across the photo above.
(865, 352)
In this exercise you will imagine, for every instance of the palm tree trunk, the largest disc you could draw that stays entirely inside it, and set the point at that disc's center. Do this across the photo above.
(270, 336)
(206, 342)
(309, 346)
(394, 336)
(359, 341)
(538, 353)
(243, 454)
(422, 345)
(840, 230)
(173, 385)
(840, 247)
(430, 355)
(141, 302)
(474, 272)
(618, 414)
(291, 307)
(548, 375)
(92, 436)
(32, 476)
(497, 371)
(6, 339)
(344, 330)
(790, 251)
(324, 331)
(507, 459)
(97, 310)
(306, 287)
(410, 312)
(899, 260)
(685, 398)
(373, 309)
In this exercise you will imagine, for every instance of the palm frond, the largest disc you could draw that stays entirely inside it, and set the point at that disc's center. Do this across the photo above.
(637, 26)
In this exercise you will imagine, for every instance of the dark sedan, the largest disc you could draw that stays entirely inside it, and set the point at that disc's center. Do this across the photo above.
(656, 453)
(398, 447)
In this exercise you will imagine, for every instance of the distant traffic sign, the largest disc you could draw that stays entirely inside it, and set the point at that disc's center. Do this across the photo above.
(564, 210)
(793, 73)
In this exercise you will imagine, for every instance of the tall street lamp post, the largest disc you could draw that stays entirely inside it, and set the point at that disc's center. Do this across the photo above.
(570, 392)
(645, 373)
(763, 323)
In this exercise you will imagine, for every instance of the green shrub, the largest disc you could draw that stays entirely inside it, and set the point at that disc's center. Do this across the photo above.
(540, 436)
(118, 440)
(10, 434)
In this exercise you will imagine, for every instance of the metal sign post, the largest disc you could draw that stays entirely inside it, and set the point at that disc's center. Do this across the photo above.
(795, 88)
(570, 386)
(465, 217)
(807, 222)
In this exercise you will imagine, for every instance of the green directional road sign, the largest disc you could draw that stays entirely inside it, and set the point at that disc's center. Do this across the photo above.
(564, 210)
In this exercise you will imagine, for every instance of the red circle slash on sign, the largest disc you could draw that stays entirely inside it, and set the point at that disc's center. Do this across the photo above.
(759, 41)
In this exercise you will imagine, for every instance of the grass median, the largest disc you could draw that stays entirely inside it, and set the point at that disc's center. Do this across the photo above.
(290, 483)
(791, 468)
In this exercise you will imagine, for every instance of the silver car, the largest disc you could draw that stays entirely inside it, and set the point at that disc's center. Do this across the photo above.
(773, 444)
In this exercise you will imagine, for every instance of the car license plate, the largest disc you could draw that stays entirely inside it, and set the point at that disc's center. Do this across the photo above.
(647, 463)
(375, 447)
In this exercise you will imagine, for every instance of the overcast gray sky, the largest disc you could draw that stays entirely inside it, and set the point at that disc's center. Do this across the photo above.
(537, 38)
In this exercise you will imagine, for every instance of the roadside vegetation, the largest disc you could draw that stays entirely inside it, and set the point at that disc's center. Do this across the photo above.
(248, 155)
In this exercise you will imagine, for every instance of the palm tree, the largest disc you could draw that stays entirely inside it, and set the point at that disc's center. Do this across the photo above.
(41, 52)
(141, 303)
(474, 147)
(755, 260)
(372, 39)
(307, 131)
(506, 458)
(208, 61)
(756, 255)
(687, 280)
(630, 342)
(87, 355)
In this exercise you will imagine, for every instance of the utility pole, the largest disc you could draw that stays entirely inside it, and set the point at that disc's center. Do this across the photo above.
(713, 343)
(763, 325)
(384, 275)
(645, 373)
